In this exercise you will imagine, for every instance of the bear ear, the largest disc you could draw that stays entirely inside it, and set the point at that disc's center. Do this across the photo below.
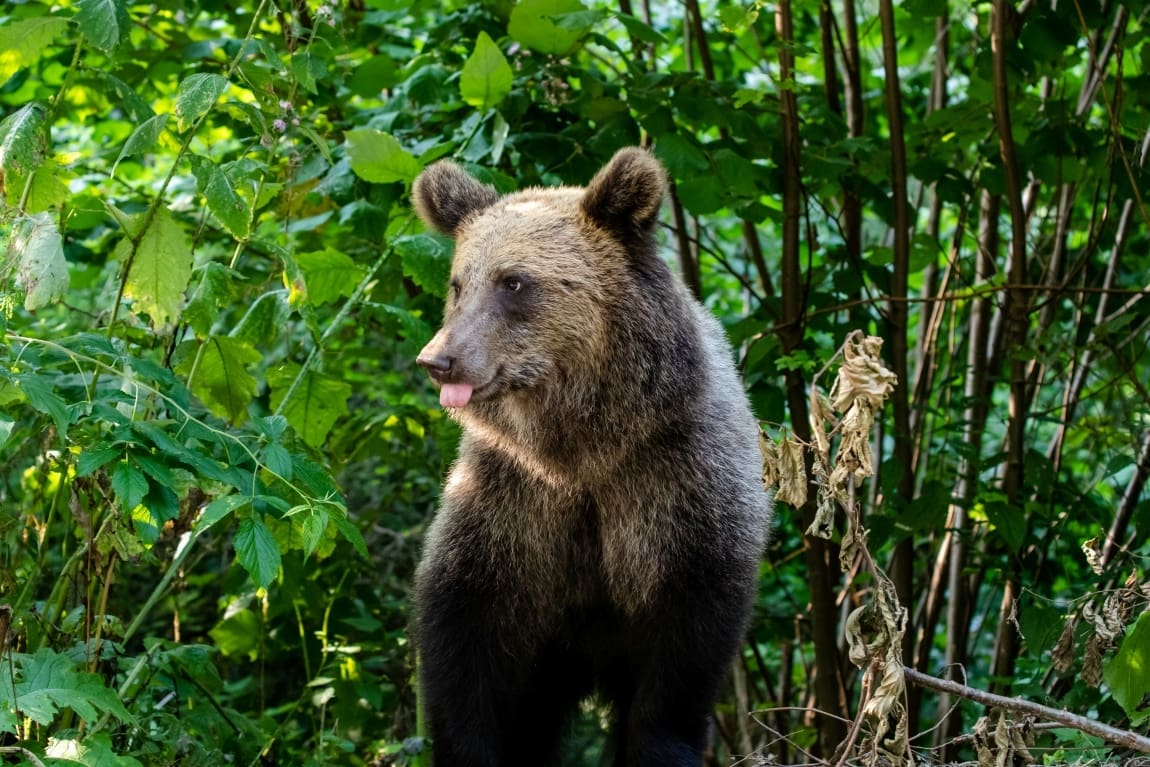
(445, 196)
(625, 196)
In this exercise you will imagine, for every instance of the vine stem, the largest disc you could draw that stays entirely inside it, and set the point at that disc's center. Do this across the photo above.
(1123, 738)
(316, 350)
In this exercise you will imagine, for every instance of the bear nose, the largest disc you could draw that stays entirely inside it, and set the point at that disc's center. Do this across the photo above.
(436, 364)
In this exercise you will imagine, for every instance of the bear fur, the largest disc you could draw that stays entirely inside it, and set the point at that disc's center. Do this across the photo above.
(602, 527)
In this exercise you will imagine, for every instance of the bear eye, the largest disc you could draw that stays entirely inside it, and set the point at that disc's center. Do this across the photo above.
(512, 284)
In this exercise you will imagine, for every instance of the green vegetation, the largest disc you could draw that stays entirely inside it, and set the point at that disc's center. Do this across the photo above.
(219, 456)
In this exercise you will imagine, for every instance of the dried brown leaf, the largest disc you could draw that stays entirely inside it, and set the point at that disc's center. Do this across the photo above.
(770, 452)
(862, 378)
(793, 474)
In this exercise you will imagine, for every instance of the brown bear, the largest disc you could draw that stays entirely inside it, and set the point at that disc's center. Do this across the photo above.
(602, 528)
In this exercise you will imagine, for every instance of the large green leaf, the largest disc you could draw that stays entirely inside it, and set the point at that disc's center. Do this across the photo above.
(21, 139)
(1128, 672)
(257, 551)
(533, 23)
(130, 485)
(22, 41)
(315, 405)
(37, 250)
(486, 77)
(196, 95)
(328, 274)
(221, 378)
(104, 22)
(378, 157)
(161, 265)
(51, 683)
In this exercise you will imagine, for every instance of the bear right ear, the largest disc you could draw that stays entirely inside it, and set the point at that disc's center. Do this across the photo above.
(625, 196)
(445, 196)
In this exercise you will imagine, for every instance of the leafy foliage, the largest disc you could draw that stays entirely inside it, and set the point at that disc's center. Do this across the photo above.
(220, 457)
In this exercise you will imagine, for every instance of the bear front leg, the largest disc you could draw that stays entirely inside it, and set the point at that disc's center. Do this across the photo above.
(491, 700)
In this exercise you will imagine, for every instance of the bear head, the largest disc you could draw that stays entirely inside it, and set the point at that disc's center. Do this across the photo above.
(536, 278)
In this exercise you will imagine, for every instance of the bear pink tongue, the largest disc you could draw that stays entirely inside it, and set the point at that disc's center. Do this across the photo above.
(455, 394)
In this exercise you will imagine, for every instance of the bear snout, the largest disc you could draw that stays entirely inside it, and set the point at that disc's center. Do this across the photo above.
(437, 365)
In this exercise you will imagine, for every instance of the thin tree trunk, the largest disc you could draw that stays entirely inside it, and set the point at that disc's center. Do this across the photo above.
(1006, 640)
(830, 692)
(976, 393)
(902, 564)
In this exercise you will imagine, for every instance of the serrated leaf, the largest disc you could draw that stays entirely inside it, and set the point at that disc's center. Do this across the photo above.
(22, 139)
(316, 403)
(1009, 523)
(257, 551)
(350, 533)
(211, 290)
(1128, 672)
(328, 274)
(161, 266)
(219, 187)
(196, 96)
(426, 260)
(531, 24)
(312, 527)
(22, 41)
(143, 138)
(278, 460)
(37, 249)
(130, 485)
(51, 683)
(96, 458)
(379, 158)
(43, 399)
(486, 77)
(104, 22)
(219, 509)
(221, 380)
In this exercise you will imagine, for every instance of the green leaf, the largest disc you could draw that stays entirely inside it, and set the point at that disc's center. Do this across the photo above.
(378, 157)
(95, 458)
(51, 683)
(1128, 672)
(130, 485)
(22, 139)
(143, 138)
(104, 22)
(161, 265)
(238, 634)
(43, 399)
(532, 24)
(6, 425)
(328, 274)
(486, 77)
(22, 41)
(278, 460)
(196, 96)
(1009, 522)
(95, 750)
(257, 551)
(221, 378)
(211, 290)
(220, 509)
(640, 30)
(312, 528)
(316, 404)
(37, 249)
(219, 187)
(426, 260)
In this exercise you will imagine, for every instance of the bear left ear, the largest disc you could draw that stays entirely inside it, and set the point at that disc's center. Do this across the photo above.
(445, 196)
(625, 196)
